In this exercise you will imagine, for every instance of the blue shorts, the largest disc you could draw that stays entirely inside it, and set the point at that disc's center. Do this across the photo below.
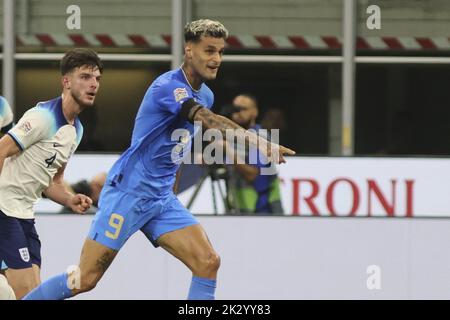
(121, 214)
(20, 246)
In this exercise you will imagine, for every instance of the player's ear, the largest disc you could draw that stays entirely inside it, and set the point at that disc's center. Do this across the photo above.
(188, 50)
(65, 82)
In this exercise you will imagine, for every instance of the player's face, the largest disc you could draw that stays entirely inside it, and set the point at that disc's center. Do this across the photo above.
(248, 111)
(83, 84)
(206, 56)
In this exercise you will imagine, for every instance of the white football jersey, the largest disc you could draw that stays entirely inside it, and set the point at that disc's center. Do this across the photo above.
(6, 116)
(46, 141)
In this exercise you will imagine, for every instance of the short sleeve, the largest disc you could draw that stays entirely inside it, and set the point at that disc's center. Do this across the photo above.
(170, 96)
(34, 126)
(6, 115)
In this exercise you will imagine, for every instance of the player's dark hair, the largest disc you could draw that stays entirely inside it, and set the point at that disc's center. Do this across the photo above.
(79, 57)
(83, 187)
(194, 30)
(250, 96)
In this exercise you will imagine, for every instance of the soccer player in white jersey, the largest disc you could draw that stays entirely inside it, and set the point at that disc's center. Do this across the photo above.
(6, 123)
(33, 155)
(6, 116)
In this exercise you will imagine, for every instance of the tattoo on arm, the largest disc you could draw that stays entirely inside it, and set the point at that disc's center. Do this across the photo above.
(210, 120)
(105, 261)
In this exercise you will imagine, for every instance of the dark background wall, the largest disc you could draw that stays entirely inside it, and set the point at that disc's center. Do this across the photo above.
(399, 109)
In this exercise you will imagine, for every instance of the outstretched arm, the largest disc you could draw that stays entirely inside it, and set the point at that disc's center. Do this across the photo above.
(58, 192)
(209, 120)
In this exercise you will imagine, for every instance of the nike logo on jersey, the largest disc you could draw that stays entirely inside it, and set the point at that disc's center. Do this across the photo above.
(57, 145)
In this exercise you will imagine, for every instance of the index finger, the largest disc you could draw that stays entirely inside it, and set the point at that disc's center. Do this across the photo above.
(288, 151)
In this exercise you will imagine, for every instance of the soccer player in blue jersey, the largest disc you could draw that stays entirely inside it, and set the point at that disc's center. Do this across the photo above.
(138, 193)
(33, 156)
(255, 192)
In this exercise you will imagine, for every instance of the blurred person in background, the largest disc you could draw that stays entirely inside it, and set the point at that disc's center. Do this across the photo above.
(92, 188)
(254, 192)
(274, 118)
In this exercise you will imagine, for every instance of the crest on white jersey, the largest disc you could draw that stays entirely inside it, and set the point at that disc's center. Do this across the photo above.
(24, 254)
(180, 93)
(25, 127)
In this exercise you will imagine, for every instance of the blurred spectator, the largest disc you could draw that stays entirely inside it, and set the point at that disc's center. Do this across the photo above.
(274, 118)
(254, 192)
(90, 188)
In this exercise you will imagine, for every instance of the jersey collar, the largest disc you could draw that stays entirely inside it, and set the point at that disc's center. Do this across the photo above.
(187, 81)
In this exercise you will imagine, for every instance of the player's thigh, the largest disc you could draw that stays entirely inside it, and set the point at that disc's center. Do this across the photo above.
(21, 280)
(37, 274)
(173, 216)
(19, 251)
(6, 292)
(117, 218)
(178, 231)
(94, 261)
(30, 277)
(96, 256)
(190, 245)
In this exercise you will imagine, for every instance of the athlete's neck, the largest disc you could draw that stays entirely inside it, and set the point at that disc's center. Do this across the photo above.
(71, 109)
(191, 77)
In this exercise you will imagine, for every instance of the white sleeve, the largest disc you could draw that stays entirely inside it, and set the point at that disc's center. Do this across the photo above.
(34, 126)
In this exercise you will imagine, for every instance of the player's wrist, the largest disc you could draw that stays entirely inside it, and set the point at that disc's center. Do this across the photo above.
(69, 200)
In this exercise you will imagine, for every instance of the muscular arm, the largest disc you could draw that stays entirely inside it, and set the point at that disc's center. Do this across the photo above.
(8, 148)
(60, 193)
(57, 190)
(210, 120)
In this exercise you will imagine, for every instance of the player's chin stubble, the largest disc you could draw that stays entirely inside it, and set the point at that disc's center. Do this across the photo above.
(80, 102)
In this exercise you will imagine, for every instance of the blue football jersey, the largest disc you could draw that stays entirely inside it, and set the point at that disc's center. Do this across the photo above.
(148, 167)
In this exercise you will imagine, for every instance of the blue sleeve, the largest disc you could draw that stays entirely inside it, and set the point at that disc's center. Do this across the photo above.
(171, 95)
